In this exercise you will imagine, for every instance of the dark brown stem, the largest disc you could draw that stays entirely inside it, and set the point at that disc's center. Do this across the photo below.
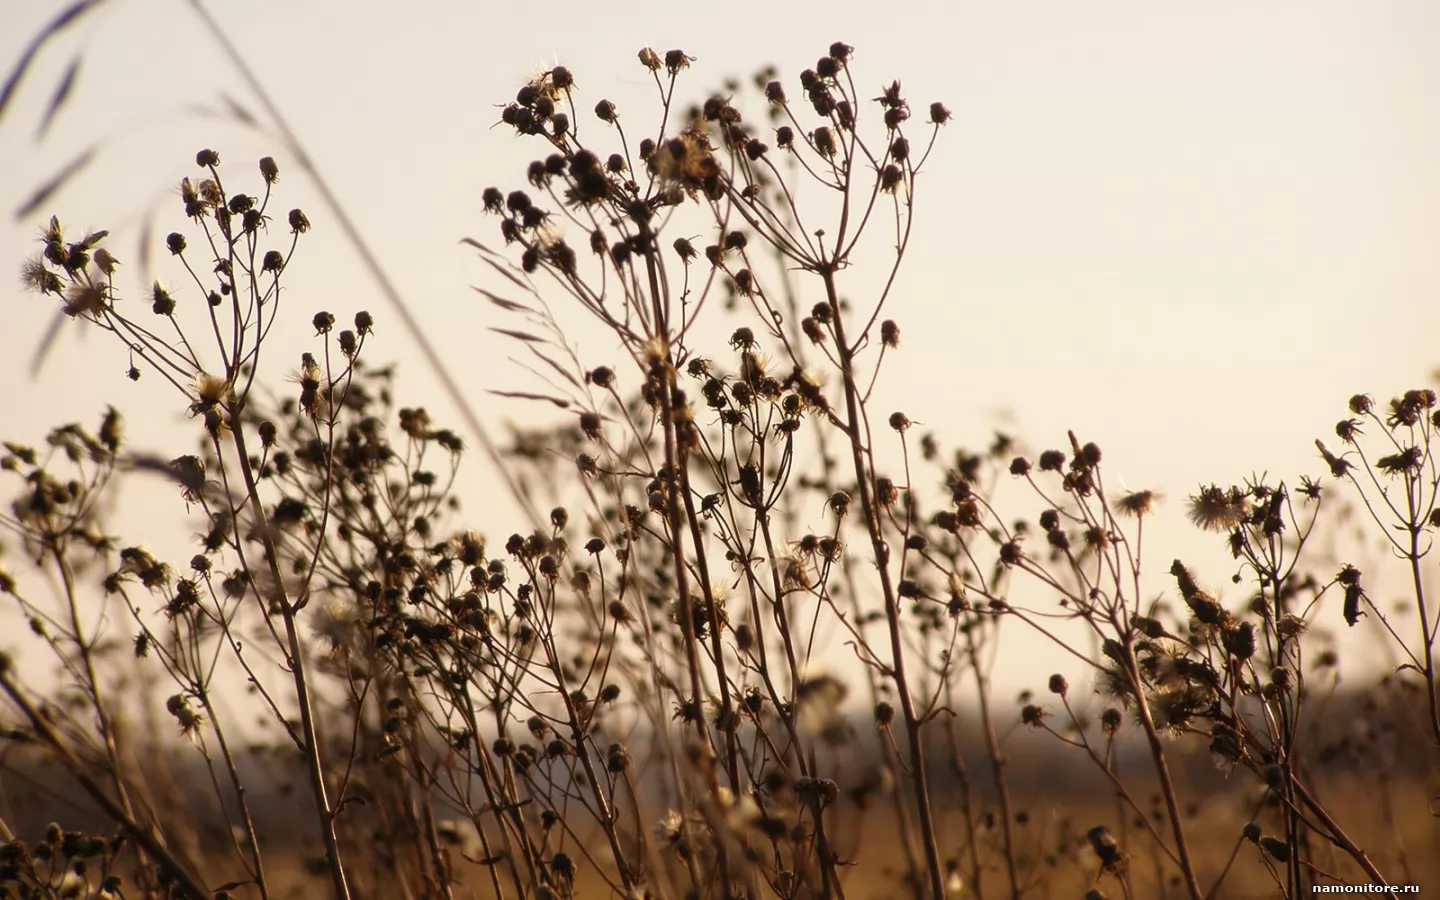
(881, 551)
(295, 658)
(1167, 783)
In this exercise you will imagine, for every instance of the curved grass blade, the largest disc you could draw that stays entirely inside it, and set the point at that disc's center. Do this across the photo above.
(66, 18)
(47, 190)
(239, 111)
(61, 95)
(46, 342)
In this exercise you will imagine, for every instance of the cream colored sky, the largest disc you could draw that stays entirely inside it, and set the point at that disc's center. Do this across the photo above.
(1187, 231)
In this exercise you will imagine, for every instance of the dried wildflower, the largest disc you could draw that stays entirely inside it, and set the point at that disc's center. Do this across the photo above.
(1407, 410)
(1338, 466)
(190, 721)
(210, 391)
(675, 60)
(1226, 747)
(1112, 859)
(1407, 461)
(617, 758)
(1138, 503)
(416, 423)
(1010, 553)
(1206, 609)
(82, 299)
(1217, 509)
(816, 790)
(670, 829)
(335, 622)
(1349, 578)
(1240, 641)
(687, 161)
(1110, 721)
(105, 261)
(36, 277)
(824, 141)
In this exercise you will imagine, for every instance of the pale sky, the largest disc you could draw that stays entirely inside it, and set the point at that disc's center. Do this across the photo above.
(1187, 231)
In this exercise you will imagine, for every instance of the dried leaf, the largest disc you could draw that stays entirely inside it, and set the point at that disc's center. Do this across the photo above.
(562, 372)
(519, 335)
(508, 305)
(498, 263)
(526, 395)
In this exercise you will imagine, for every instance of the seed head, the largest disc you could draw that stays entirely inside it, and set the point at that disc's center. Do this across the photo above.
(1217, 509)
(1034, 716)
(1110, 720)
(675, 60)
(1138, 503)
(824, 142)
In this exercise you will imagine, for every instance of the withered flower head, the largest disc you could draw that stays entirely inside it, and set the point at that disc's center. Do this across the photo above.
(1338, 465)
(1217, 509)
(1138, 503)
(83, 299)
(1408, 460)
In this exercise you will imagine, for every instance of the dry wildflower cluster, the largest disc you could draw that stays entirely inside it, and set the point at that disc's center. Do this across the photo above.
(649, 690)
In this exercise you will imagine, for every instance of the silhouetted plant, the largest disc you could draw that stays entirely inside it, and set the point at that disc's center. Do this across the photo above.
(638, 696)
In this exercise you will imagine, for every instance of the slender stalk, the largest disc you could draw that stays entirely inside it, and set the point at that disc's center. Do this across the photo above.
(295, 658)
(1167, 783)
(855, 426)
